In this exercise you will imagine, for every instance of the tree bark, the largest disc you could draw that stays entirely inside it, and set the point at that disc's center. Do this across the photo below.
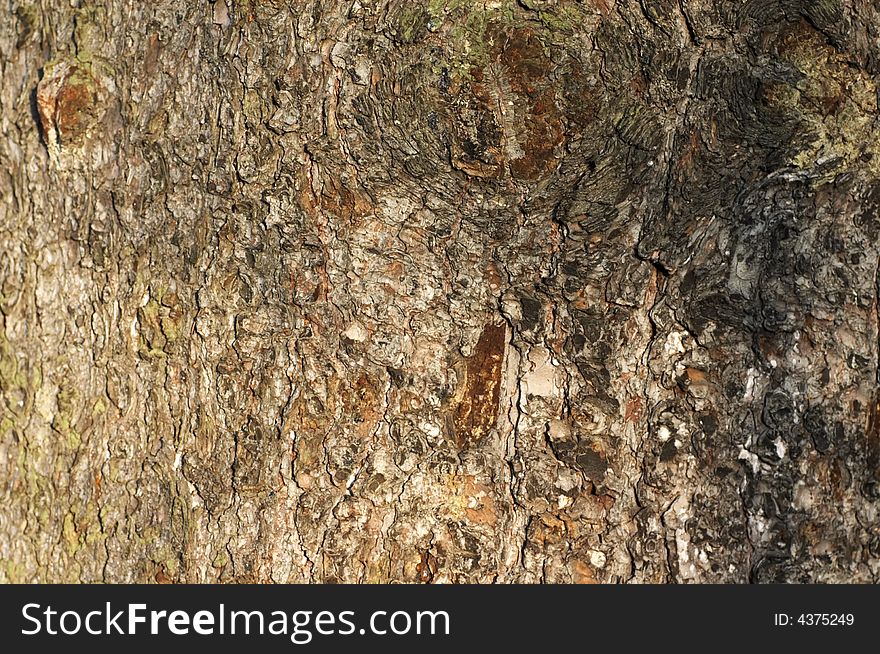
(439, 291)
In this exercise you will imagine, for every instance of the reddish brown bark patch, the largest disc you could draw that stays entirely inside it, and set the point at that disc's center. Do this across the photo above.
(529, 68)
(508, 118)
(73, 107)
(477, 412)
(67, 103)
(426, 568)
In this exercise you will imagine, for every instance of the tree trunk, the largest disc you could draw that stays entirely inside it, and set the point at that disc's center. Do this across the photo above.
(439, 291)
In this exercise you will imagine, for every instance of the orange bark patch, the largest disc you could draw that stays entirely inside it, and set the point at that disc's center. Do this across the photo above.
(426, 568)
(477, 411)
(549, 530)
(481, 507)
(67, 99)
(526, 67)
(510, 119)
(342, 199)
(470, 500)
(583, 573)
(634, 409)
(73, 104)
(603, 7)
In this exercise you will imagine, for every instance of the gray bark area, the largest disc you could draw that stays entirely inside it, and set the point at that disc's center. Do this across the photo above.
(444, 291)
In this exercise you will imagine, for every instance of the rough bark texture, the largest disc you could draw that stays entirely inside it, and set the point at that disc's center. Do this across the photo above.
(439, 291)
